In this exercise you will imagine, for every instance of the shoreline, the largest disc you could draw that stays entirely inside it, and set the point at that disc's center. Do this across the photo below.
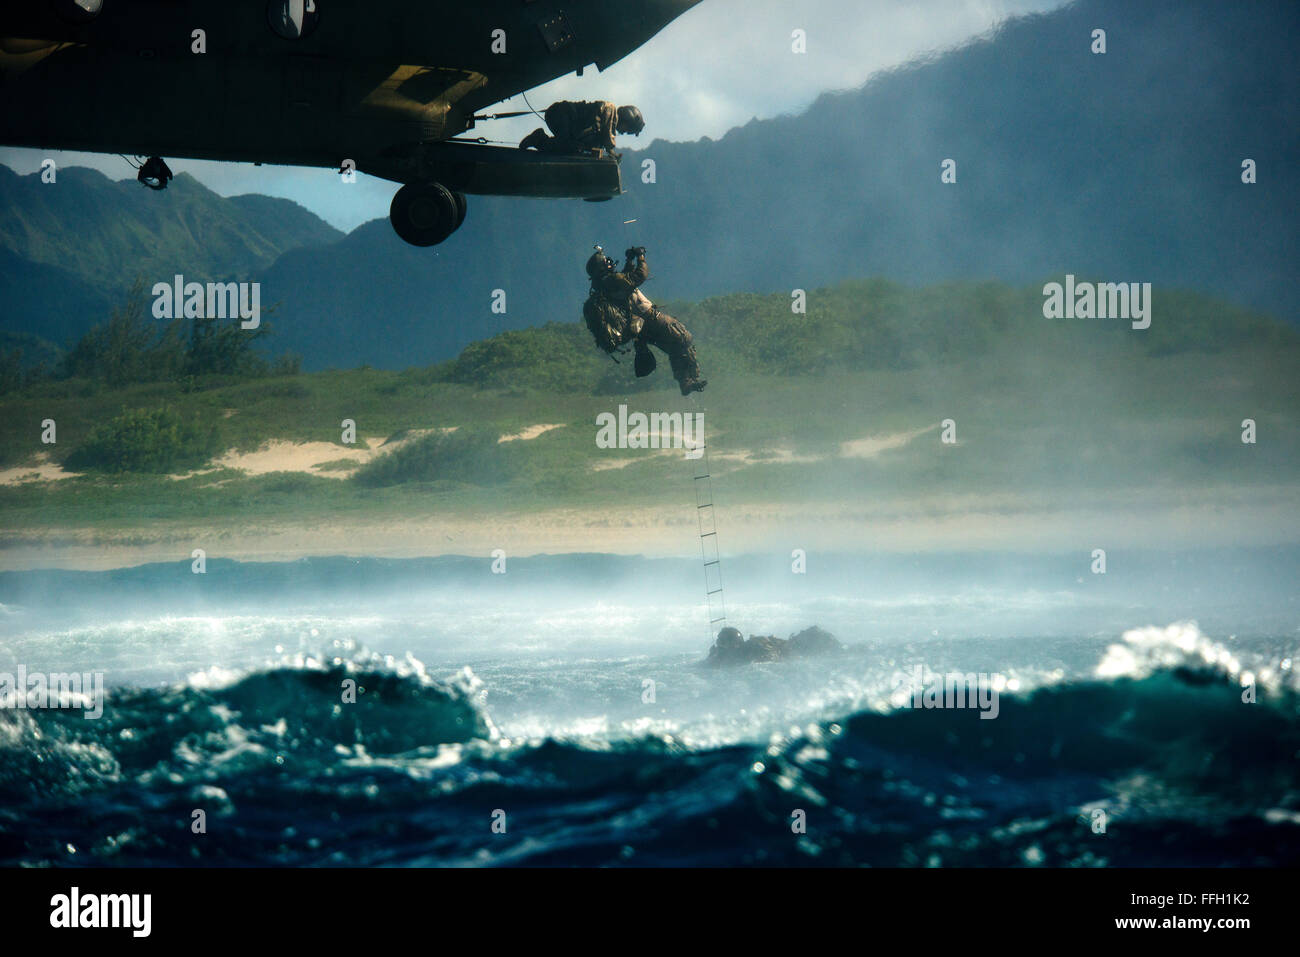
(953, 525)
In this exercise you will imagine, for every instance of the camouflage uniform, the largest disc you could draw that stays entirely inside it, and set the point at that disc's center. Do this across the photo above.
(649, 325)
(578, 127)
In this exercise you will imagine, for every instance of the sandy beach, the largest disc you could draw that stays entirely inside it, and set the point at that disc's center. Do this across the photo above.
(953, 524)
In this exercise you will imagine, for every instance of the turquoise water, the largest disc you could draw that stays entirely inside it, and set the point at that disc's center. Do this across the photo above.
(559, 714)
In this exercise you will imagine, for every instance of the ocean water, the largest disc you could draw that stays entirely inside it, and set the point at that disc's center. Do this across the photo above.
(559, 714)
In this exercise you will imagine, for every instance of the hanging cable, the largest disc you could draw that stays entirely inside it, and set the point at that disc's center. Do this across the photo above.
(530, 106)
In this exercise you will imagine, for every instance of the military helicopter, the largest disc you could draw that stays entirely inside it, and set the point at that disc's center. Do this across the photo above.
(385, 87)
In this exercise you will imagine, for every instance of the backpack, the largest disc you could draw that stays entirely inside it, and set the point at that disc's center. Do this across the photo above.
(605, 320)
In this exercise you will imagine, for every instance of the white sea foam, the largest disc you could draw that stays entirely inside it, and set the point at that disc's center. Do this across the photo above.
(1183, 645)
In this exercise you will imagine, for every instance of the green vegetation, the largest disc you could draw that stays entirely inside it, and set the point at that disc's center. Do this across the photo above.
(25, 360)
(864, 325)
(146, 440)
(556, 357)
(336, 465)
(471, 455)
(1067, 408)
(133, 348)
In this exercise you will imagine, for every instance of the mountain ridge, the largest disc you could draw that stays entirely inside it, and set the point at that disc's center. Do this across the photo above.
(1124, 166)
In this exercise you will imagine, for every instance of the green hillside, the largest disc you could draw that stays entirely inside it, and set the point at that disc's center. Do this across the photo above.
(69, 247)
(1068, 162)
(1066, 409)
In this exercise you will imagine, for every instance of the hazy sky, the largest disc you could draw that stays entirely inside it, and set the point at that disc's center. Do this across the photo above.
(718, 66)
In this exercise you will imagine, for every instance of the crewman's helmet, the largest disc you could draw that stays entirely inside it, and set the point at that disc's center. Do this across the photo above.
(730, 638)
(630, 120)
(599, 264)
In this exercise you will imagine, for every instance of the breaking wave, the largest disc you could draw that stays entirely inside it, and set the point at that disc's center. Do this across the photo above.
(1175, 753)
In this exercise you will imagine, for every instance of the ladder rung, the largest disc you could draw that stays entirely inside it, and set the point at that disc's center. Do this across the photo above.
(709, 592)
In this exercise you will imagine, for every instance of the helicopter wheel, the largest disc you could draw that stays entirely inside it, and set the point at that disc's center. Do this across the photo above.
(425, 214)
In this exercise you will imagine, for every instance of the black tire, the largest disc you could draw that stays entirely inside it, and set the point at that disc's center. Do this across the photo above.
(462, 207)
(424, 214)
